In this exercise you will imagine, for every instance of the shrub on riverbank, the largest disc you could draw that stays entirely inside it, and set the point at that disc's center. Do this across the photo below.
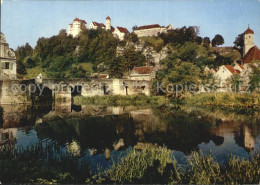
(120, 100)
(45, 164)
(225, 99)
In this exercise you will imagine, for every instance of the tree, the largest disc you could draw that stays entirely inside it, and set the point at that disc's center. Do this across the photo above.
(185, 74)
(116, 67)
(30, 63)
(235, 82)
(217, 40)
(77, 72)
(239, 42)
(21, 68)
(206, 41)
(134, 27)
(254, 79)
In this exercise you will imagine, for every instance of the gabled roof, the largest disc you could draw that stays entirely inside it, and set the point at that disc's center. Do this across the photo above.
(112, 29)
(241, 66)
(77, 19)
(232, 70)
(249, 31)
(143, 70)
(98, 24)
(148, 27)
(123, 30)
(251, 55)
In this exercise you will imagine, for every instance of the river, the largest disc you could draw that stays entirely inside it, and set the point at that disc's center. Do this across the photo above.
(104, 134)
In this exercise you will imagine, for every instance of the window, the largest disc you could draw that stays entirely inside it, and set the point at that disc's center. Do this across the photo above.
(12, 66)
(7, 65)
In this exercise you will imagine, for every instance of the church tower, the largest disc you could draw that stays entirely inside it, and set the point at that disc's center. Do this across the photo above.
(108, 23)
(248, 40)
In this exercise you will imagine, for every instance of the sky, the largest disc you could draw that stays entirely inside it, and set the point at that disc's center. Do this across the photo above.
(27, 20)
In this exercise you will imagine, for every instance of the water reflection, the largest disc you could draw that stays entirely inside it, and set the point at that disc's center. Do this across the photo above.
(103, 132)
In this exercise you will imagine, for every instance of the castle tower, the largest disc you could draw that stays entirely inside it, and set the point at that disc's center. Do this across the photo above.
(108, 23)
(248, 40)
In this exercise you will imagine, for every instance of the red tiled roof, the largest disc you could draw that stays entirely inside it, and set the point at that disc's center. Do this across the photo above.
(108, 18)
(77, 19)
(98, 24)
(143, 70)
(83, 21)
(252, 54)
(232, 70)
(240, 66)
(121, 29)
(112, 29)
(148, 27)
(249, 31)
(102, 76)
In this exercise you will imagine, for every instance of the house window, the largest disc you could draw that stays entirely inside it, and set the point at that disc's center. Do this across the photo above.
(7, 65)
(12, 66)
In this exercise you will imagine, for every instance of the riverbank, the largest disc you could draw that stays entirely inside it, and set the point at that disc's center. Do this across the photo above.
(239, 100)
(120, 100)
(40, 164)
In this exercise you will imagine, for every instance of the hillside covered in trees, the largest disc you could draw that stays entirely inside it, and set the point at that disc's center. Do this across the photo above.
(63, 56)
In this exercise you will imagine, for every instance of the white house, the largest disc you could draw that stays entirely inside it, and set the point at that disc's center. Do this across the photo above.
(120, 33)
(151, 30)
(224, 73)
(7, 60)
(76, 27)
(96, 25)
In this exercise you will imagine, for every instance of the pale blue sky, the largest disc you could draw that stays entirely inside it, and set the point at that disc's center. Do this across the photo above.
(25, 21)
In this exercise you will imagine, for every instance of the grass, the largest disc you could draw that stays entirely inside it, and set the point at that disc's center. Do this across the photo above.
(120, 100)
(240, 100)
(34, 72)
(48, 165)
(88, 67)
(156, 42)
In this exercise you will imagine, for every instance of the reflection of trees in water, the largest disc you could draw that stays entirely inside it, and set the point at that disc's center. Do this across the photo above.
(98, 133)
(21, 115)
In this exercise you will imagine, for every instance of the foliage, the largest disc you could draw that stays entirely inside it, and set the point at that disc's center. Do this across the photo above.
(21, 70)
(42, 163)
(23, 51)
(49, 164)
(235, 82)
(180, 36)
(120, 100)
(116, 67)
(206, 42)
(254, 79)
(77, 72)
(225, 100)
(156, 42)
(239, 41)
(217, 40)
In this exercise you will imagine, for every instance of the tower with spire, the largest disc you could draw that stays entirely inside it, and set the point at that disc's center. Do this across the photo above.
(248, 40)
(108, 23)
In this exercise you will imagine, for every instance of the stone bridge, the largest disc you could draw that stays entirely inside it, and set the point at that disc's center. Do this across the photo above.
(29, 91)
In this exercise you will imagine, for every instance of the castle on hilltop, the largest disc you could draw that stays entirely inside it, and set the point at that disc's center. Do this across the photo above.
(78, 25)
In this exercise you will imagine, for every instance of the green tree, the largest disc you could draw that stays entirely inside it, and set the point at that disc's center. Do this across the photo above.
(206, 41)
(116, 67)
(235, 82)
(217, 40)
(21, 68)
(30, 63)
(77, 72)
(254, 79)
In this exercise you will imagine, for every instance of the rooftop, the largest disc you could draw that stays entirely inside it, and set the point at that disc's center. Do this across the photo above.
(143, 70)
(148, 27)
(251, 55)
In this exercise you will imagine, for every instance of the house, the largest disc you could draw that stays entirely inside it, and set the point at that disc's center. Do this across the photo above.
(96, 25)
(225, 72)
(76, 27)
(207, 71)
(7, 60)
(151, 30)
(142, 73)
(120, 33)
